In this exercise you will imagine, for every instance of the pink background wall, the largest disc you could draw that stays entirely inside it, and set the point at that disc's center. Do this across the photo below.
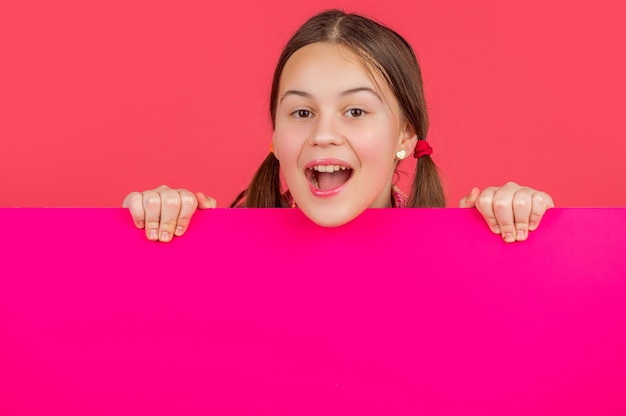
(101, 98)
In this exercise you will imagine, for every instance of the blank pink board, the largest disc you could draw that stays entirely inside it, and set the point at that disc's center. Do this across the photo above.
(261, 312)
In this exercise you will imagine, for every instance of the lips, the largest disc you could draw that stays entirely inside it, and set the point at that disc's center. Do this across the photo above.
(327, 178)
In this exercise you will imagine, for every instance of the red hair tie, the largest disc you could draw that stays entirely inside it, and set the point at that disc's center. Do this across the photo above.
(422, 148)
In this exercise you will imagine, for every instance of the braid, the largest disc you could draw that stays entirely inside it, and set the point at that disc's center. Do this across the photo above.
(426, 191)
(265, 190)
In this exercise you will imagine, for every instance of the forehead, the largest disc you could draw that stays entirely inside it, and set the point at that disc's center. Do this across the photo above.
(324, 64)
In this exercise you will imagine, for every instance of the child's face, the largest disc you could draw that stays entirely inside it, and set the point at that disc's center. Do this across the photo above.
(338, 127)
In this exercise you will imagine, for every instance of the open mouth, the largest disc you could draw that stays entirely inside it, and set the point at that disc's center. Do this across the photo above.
(327, 178)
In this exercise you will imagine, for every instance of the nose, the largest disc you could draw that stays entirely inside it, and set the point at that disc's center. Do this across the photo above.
(326, 131)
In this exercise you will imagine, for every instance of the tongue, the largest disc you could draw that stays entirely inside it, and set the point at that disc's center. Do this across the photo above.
(326, 181)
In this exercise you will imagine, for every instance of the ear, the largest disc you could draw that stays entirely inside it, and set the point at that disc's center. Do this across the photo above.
(408, 138)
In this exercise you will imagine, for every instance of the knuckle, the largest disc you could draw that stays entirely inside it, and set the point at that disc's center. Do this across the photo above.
(484, 201)
(182, 222)
(507, 228)
(152, 201)
(188, 199)
(520, 203)
(521, 225)
(135, 198)
(171, 201)
(538, 198)
(500, 203)
(168, 225)
(152, 225)
(132, 201)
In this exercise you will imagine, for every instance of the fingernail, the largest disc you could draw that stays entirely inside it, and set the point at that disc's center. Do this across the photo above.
(508, 237)
(140, 224)
(153, 235)
(532, 226)
(521, 235)
(179, 230)
(165, 236)
(496, 229)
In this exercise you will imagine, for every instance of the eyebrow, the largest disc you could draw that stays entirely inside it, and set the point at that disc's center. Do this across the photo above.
(362, 89)
(343, 94)
(296, 93)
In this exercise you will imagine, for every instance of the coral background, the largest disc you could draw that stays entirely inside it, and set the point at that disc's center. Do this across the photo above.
(101, 98)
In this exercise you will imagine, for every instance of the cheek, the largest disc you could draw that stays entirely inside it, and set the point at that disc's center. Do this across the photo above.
(287, 146)
(378, 144)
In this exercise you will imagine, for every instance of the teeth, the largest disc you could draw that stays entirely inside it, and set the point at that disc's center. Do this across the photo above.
(328, 168)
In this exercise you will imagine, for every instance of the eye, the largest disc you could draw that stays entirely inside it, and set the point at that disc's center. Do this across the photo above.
(355, 112)
(302, 114)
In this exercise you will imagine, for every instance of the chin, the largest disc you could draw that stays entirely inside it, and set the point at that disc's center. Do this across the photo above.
(330, 217)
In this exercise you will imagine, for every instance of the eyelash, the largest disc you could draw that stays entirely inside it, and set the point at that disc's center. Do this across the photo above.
(299, 113)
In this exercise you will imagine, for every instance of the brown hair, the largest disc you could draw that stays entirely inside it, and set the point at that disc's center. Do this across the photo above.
(389, 54)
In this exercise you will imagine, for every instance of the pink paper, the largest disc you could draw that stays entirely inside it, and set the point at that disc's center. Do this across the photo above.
(261, 312)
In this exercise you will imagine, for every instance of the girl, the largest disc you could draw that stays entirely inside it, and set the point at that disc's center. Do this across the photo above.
(347, 106)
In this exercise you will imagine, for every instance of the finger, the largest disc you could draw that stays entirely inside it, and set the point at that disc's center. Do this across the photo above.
(541, 202)
(484, 204)
(205, 202)
(469, 201)
(134, 203)
(170, 210)
(522, 206)
(189, 203)
(152, 209)
(503, 211)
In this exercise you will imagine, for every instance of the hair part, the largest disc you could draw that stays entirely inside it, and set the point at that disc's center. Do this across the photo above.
(393, 58)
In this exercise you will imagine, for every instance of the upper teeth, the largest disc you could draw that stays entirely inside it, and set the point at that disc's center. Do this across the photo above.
(328, 168)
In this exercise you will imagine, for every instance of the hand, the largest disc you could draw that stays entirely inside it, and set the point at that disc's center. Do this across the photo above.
(511, 210)
(165, 212)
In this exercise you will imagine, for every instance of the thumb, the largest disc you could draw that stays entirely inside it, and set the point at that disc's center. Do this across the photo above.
(469, 201)
(205, 202)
